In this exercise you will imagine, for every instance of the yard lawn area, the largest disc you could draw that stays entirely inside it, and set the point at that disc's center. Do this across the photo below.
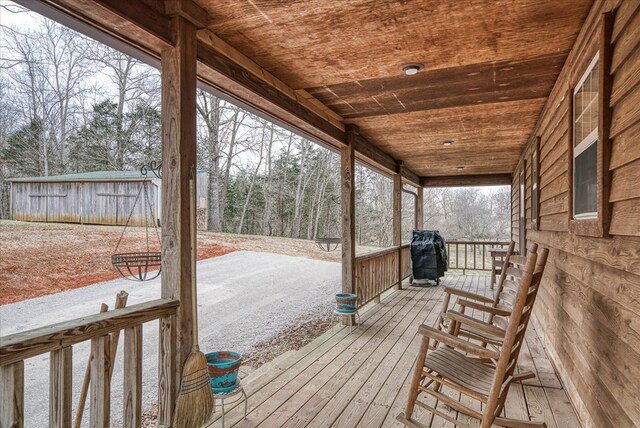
(37, 259)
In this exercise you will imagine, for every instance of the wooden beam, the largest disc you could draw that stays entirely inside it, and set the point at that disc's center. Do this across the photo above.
(228, 76)
(178, 165)
(467, 180)
(60, 383)
(420, 208)
(372, 156)
(397, 220)
(189, 10)
(410, 177)
(348, 212)
(12, 395)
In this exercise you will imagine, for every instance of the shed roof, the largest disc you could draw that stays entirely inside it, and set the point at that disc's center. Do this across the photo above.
(89, 176)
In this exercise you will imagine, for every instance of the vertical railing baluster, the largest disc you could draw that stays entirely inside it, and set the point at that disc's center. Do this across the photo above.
(60, 384)
(132, 394)
(12, 395)
(100, 389)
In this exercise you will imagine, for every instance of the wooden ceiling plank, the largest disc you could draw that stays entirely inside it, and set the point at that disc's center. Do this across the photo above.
(469, 85)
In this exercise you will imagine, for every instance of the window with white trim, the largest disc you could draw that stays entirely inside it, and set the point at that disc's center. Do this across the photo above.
(585, 147)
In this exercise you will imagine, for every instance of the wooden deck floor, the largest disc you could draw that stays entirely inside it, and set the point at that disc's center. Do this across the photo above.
(361, 379)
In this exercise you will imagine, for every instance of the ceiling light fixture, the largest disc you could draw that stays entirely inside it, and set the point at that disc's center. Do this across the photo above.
(411, 69)
(459, 168)
(447, 142)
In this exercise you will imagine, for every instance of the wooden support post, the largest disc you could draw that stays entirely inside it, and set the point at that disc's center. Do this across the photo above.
(100, 389)
(178, 161)
(12, 395)
(397, 220)
(60, 392)
(348, 211)
(132, 395)
(420, 208)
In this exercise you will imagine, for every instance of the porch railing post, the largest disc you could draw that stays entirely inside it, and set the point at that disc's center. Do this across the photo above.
(178, 164)
(348, 212)
(420, 208)
(397, 220)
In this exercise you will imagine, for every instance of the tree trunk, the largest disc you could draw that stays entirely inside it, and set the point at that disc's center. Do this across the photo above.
(283, 186)
(266, 221)
(253, 182)
(295, 229)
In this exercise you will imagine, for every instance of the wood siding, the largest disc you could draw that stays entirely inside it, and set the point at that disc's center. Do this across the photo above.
(589, 302)
(108, 203)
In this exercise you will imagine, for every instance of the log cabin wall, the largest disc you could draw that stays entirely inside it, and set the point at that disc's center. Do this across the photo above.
(588, 310)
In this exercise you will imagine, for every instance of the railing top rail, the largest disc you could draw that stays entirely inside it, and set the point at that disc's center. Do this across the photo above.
(377, 253)
(19, 346)
(454, 241)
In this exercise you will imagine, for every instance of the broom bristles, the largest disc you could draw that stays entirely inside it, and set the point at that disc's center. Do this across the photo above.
(194, 406)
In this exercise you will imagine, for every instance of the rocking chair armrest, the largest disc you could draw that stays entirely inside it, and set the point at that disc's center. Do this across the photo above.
(456, 342)
(468, 295)
(473, 322)
(481, 307)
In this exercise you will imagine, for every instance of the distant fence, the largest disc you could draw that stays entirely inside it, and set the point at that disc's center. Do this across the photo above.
(470, 255)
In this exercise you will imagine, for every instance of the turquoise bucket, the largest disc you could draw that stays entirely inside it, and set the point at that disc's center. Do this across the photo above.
(223, 370)
(346, 302)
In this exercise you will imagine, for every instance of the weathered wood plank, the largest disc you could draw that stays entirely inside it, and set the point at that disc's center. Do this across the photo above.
(60, 387)
(100, 387)
(625, 148)
(12, 397)
(132, 372)
(625, 218)
(625, 182)
(18, 346)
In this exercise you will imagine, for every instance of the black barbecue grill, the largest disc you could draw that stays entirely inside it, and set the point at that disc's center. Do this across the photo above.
(429, 259)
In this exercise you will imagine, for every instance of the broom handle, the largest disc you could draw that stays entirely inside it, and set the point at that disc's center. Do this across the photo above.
(194, 255)
(85, 383)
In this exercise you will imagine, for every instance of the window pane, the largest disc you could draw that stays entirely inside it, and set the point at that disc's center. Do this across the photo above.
(585, 180)
(585, 103)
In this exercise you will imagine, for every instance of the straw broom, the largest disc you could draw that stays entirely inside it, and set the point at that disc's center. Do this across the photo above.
(194, 405)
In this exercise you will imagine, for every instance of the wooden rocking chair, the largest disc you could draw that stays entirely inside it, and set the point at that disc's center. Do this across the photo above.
(479, 298)
(473, 370)
(502, 307)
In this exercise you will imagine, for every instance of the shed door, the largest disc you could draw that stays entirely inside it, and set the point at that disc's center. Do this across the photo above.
(63, 202)
(130, 204)
(99, 203)
(29, 201)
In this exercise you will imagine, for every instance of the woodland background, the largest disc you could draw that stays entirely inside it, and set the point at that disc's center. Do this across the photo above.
(69, 104)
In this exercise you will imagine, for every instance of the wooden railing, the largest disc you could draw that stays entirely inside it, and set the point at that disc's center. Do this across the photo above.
(470, 255)
(379, 271)
(58, 339)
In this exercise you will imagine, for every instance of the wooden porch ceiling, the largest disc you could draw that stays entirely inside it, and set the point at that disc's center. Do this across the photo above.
(323, 66)
(489, 66)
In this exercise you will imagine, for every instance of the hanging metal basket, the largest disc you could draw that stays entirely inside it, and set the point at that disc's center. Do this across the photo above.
(138, 266)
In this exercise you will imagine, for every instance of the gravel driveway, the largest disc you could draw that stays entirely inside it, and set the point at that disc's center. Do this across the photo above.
(243, 298)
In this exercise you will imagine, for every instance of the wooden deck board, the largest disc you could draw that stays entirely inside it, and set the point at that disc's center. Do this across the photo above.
(361, 379)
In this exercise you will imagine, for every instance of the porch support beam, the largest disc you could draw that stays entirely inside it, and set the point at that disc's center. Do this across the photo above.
(420, 208)
(178, 164)
(397, 219)
(466, 180)
(348, 214)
